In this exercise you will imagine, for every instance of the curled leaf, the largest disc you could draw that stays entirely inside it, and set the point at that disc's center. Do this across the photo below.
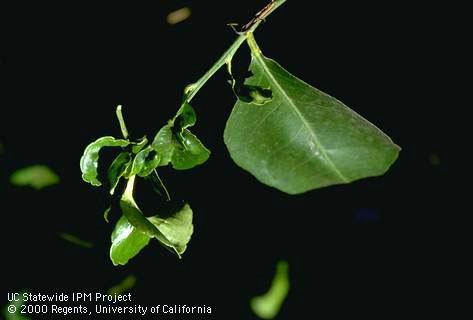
(186, 116)
(127, 242)
(138, 146)
(177, 228)
(117, 169)
(134, 230)
(151, 161)
(90, 158)
(145, 162)
(183, 150)
(134, 215)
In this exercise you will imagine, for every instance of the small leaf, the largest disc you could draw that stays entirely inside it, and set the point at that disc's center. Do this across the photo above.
(37, 176)
(177, 228)
(192, 154)
(151, 162)
(267, 306)
(90, 158)
(124, 286)
(186, 116)
(127, 242)
(145, 162)
(137, 147)
(163, 143)
(183, 152)
(302, 139)
(117, 169)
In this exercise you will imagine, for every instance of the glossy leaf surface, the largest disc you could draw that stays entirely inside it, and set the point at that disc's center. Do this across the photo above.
(127, 241)
(90, 158)
(177, 228)
(183, 150)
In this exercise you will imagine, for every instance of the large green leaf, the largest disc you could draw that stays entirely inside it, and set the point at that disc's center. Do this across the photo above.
(127, 242)
(302, 139)
(90, 158)
(177, 228)
(267, 306)
(37, 176)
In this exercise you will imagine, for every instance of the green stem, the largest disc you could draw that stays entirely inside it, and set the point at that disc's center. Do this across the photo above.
(130, 185)
(121, 120)
(252, 44)
(192, 89)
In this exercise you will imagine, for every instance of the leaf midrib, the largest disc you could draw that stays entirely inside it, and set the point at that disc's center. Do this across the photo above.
(259, 59)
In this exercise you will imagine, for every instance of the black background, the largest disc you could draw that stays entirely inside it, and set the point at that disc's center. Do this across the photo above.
(64, 69)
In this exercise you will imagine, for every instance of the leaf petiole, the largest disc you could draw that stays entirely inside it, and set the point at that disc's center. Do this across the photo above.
(227, 56)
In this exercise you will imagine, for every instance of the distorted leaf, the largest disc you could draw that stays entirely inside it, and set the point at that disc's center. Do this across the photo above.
(172, 231)
(138, 146)
(127, 242)
(150, 163)
(186, 116)
(37, 176)
(90, 158)
(177, 228)
(145, 162)
(303, 139)
(136, 217)
(117, 169)
(267, 306)
(183, 151)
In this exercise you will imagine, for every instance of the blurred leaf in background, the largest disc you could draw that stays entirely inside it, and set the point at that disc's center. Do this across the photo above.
(178, 16)
(75, 240)
(16, 315)
(36, 176)
(124, 286)
(267, 306)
